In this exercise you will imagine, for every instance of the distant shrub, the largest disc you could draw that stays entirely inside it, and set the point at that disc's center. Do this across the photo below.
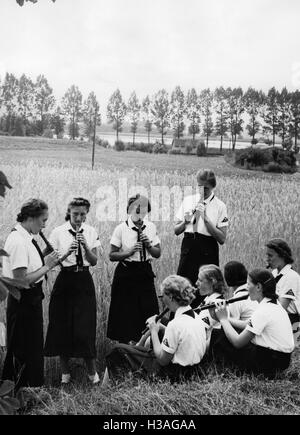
(60, 135)
(201, 149)
(160, 148)
(48, 133)
(129, 146)
(188, 149)
(269, 159)
(268, 142)
(102, 143)
(279, 168)
(254, 141)
(146, 147)
(174, 151)
(119, 145)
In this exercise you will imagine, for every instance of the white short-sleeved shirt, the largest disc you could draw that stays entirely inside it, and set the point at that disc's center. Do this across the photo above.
(215, 210)
(205, 314)
(272, 327)
(124, 237)
(22, 253)
(61, 239)
(185, 338)
(288, 287)
(242, 310)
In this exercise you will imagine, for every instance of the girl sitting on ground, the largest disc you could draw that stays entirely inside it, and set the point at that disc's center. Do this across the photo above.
(266, 344)
(184, 341)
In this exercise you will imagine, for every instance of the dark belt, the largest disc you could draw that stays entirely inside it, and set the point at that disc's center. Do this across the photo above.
(131, 263)
(76, 269)
(196, 235)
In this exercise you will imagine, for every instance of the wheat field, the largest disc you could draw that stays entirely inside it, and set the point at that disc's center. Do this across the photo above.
(260, 206)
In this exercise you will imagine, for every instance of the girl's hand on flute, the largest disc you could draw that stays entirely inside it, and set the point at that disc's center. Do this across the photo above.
(73, 247)
(221, 310)
(152, 324)
(82, 240)
(137, 247)
(188, 216)
(52, 260)
(145, 240)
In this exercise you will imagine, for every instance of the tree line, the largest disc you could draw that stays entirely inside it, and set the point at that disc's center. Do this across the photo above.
(29, 108)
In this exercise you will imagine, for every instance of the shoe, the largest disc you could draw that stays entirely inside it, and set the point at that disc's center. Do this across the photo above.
(94, 379)
(65, 378)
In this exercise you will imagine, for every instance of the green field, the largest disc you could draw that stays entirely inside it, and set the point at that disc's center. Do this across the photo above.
(260, 206)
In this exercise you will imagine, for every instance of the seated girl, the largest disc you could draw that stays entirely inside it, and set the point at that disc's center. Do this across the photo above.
(211, 286)
(184, 341)
(235, 275)
(266, 344)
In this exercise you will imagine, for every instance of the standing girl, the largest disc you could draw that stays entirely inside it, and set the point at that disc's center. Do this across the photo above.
(24, 362)
(72, 309)
(134, 244)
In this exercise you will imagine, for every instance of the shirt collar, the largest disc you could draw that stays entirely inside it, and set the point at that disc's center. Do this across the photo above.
(132, 225)
(181, 310)
(241, 287)
(207, 200)
(283, 271)
(23, 232)
(69, 226)
(265, 300)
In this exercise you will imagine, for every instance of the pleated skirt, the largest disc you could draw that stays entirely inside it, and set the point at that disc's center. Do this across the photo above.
(72, 316)
(24, 362)
(133, 301)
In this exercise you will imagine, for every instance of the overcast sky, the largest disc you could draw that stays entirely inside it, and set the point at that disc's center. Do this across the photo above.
(146, 45)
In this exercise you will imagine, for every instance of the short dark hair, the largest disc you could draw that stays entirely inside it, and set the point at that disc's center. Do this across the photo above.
(138, 200)
(235, 273)
(208, 176)
(267, 281)
(77, 202)
(32, 208)
(282, 249)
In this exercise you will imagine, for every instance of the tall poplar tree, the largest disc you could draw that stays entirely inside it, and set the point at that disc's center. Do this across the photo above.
(161, 112)
(193, 112)
(116, 111)
(133, 113)
(177, 112)
(147, 116)
(72, 107)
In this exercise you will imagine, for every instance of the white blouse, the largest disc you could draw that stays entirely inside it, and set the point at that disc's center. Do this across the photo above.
(215, 210)
(22, 253)
(124, 237)
(61, 239)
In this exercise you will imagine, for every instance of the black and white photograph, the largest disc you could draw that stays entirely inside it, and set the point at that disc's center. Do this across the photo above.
(149, 210)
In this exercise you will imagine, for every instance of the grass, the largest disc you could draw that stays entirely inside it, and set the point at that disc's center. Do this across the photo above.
(260, 206)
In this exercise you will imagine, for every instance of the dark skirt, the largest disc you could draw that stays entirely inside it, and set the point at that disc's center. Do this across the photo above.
(251, 358)
(196, 250)
(72, 316)
(133, 301)
(24, 362)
